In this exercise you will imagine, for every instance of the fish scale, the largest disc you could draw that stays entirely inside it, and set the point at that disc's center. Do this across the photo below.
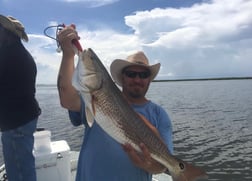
(106, 105)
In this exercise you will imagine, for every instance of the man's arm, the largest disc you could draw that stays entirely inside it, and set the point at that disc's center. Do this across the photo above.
(69, 97)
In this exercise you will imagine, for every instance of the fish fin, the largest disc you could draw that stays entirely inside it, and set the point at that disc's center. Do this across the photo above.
(90, 109)
(93, 104)
(89, 116)
(189, 172)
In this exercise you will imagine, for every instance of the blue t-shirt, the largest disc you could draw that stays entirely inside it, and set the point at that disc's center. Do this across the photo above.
(103, 159)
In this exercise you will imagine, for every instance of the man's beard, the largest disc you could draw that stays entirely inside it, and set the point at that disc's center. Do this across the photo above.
(137, 93)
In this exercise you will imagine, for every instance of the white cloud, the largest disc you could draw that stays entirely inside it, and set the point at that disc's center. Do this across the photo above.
(205, 40)
(198, 41)
(93, 3)
(107, 44)
(47, 59)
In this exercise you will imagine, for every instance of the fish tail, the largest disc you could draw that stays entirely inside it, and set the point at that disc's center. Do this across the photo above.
(190, 172)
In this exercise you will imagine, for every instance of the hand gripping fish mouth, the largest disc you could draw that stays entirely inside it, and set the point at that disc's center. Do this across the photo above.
(105, 104)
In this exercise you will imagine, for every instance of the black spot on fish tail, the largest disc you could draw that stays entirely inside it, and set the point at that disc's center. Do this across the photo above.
(181, 166)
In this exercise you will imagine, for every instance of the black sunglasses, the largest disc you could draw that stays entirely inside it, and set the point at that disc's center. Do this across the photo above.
(133, 74)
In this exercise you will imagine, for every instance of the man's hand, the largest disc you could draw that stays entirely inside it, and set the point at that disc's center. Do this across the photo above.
(66, 37)
(143, 159)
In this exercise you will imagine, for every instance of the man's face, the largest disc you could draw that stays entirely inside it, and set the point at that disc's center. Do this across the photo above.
(135, 81)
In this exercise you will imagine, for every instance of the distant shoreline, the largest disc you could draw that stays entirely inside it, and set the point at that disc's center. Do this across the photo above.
(203, 79)
(176, 80)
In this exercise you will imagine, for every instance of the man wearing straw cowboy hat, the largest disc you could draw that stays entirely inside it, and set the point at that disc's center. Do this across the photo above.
(101, 157)
(19, 110)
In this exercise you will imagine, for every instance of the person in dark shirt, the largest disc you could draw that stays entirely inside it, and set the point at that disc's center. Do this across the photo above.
(19, 109)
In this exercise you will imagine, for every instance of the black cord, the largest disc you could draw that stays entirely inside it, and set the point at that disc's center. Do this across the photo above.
(58, 28)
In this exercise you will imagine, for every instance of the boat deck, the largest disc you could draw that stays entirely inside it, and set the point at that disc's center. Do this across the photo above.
(74, 161)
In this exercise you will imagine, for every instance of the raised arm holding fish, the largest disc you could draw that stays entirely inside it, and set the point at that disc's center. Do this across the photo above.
(127, 137)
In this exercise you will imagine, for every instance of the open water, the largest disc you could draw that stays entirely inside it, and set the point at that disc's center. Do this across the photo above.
(212, 123)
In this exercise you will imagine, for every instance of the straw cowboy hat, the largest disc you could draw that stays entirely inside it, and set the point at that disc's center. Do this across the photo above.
(14, 26)
(138, 59)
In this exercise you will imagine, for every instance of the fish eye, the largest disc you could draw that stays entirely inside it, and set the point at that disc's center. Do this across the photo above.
(181, 166)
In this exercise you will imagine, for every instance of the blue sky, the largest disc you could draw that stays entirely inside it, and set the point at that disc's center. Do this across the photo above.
(190, 38)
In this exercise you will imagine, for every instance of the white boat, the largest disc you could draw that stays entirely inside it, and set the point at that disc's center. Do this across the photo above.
(55, 161)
